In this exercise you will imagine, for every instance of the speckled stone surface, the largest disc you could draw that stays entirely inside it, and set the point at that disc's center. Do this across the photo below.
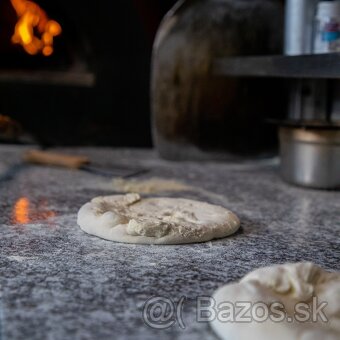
(59, 283)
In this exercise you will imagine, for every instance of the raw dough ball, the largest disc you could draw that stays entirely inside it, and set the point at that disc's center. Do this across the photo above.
(132, 219)
(289, 285)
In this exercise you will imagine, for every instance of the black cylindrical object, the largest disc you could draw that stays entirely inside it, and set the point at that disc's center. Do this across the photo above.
(197, 115)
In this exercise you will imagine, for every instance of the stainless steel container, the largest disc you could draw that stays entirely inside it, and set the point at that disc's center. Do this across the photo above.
(310, 157)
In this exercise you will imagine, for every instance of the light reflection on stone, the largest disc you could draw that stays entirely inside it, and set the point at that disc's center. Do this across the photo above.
(24, 212)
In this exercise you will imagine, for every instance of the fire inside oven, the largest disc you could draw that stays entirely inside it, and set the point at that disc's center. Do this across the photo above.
(74, 72)
(35, 35)
(34, 30)
(43, 67)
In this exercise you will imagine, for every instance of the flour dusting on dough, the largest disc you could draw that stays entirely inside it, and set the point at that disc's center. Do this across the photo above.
(132, 219)
(289, 285)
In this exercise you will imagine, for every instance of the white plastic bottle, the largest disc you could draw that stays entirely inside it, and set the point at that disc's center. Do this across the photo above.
(327, 27)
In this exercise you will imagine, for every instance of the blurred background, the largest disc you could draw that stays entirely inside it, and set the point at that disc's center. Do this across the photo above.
(94, 88)
(211, 80)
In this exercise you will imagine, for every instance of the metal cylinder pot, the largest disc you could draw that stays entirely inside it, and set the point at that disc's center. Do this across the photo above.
(311, 157)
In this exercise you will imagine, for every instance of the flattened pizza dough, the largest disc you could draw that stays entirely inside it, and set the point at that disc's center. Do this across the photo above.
(132, 219)
(299, 288)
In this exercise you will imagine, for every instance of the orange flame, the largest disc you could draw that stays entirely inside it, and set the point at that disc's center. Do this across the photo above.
(33, 20)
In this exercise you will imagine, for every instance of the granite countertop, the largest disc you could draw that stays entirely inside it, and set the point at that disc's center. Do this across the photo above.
(57, 282)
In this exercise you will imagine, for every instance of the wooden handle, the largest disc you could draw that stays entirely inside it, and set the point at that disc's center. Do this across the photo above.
(56, 159)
